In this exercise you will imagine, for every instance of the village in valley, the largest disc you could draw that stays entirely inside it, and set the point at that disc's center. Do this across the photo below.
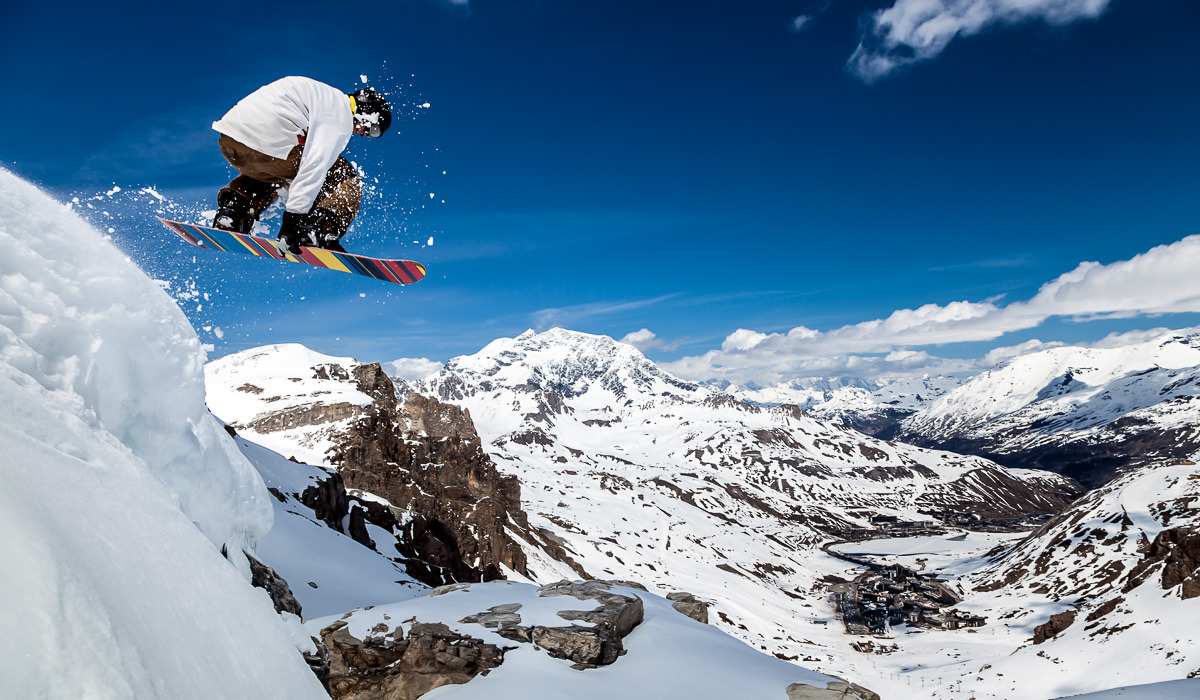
(890, 595)
(887, 596)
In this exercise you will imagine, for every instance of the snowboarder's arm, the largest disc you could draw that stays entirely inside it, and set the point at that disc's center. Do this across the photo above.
(322, 147)
(330, 125)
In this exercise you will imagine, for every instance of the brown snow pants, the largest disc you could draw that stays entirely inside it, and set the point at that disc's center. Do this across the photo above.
(262, 175)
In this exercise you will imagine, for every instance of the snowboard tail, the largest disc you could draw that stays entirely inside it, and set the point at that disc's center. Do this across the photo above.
(395, 271)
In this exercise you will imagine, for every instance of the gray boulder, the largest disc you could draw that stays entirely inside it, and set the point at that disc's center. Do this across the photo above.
(689, 605)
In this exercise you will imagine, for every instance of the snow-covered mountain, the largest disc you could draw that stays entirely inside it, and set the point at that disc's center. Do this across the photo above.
(1085, 412)
(119, 489)
(1113, 582)
(635, 475)
(572, 409)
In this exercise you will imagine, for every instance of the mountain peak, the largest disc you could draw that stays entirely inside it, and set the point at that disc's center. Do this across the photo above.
(567, 362)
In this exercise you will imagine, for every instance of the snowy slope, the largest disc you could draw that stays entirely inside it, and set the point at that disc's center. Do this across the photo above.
(1087, 412)
(646, 478)
(1186, 689)
(1102, 596)
(1134, 605)
(119, 488)
(328, 572)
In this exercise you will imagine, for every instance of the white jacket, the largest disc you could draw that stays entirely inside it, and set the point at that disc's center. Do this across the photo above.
(277, 117)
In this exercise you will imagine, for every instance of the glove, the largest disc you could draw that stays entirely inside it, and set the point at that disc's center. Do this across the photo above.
(296, 230)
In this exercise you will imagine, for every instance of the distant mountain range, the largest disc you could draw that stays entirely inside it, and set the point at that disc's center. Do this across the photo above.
(1087, 413)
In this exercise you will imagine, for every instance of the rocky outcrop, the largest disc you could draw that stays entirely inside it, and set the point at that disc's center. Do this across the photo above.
(335, 507)
(1057, 624)
(426, 459)
(395, 665)
(599, 644)
(689, 605)
(264, 577)
(834, 690)
(402, 660)
(596, 645)
(1176, 552)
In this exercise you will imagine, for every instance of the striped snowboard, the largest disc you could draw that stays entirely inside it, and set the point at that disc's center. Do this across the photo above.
(397, 271)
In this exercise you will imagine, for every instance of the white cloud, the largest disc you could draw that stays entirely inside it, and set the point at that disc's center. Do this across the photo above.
(412, 367)
(798, 24)
(1161, 280)
(645, 339)
(996, 356)
(918, 30)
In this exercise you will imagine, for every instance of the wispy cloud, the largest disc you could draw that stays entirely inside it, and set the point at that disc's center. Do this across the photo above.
(911, 31)
(799, 23)
(566, 316)
(1160, 281)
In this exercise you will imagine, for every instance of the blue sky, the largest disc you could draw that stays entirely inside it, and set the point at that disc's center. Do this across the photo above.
(755, 190)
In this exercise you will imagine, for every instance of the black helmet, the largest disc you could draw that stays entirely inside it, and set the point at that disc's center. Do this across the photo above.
(371, 105)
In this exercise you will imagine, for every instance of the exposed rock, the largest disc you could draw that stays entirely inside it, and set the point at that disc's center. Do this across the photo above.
(319, 661)
(599, 644)
(596, 645)
(583, 645)
(499, 617)
(395, 666)
(316, 413)
(1177, 551)
(834, 690)
(264, 577)
(426, 458)
(1057, 624)
(690, 605)
(345, 513)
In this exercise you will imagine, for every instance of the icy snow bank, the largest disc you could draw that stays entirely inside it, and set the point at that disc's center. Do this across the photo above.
(108, 346)
(110, 463)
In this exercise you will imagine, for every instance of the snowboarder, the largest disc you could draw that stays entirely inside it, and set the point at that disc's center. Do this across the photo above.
(291, 133)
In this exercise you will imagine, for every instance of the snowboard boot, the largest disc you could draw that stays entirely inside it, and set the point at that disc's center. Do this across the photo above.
(320, 228)
(234, 212)
(241, 202)
(326, 228)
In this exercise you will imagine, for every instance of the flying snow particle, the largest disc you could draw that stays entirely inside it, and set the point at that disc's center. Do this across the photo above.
(362, 79)
(430, 241)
